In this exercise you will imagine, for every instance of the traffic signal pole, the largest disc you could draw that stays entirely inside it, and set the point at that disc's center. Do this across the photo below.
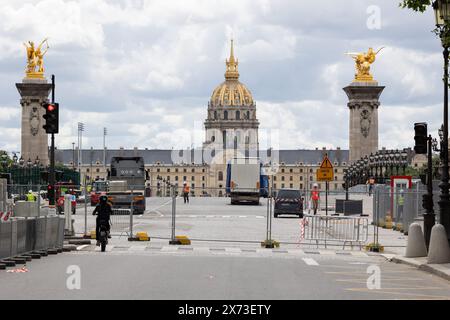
(52, 153)
(429, 218)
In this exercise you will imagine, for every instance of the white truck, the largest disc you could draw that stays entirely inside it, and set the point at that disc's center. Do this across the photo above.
(243, 180)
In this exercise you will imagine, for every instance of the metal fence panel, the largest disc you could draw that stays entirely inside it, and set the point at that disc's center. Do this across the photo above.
(332, 229)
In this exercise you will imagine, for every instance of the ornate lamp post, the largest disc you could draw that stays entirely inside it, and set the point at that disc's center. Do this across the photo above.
(404, 157)
(442, 13)
(4, 162)
(397, 161)
(371, 164)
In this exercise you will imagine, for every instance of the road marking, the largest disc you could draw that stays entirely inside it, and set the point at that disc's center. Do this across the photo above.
(242, 216)
(233, 250)
(192, 216)
(296, 252)
(327, 252)
(226, 217)
(137, 248)
(310, 262)
(169, 249)
(82, 247)
(260, 217)
(383, 291)
(359, 254)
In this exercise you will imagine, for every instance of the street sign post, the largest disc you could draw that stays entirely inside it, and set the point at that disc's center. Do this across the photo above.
(325, 174)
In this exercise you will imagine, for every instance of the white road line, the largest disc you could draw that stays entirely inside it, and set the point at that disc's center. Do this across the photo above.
(360, 254)
(79, 248)
(137, 248)
(242, 216)
(327, 252)
(226, 217)
(233, 250)
(169, 249)
(310, 262)
(192, 216)
(296, 252)
(260, 217)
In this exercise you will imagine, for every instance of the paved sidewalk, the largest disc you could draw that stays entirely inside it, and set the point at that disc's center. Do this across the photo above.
(395, 249)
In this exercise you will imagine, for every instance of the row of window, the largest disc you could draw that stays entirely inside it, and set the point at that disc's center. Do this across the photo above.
(310, 170)
(185, 178)
(291, 186)
(291, 178)
(176, 170)
(226, 115)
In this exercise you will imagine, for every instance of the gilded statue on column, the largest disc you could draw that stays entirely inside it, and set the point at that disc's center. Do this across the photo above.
(35, 59)
(363, 61)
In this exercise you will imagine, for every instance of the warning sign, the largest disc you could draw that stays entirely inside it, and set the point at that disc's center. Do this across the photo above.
(325, 172)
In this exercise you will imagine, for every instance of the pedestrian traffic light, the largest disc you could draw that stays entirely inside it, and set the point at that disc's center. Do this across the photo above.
(51, 117)
(51, 195)
(421, 138)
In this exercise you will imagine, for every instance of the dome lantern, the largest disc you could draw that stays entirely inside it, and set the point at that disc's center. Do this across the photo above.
(231, 92)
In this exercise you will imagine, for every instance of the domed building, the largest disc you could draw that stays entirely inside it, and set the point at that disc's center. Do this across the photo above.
(231, 124)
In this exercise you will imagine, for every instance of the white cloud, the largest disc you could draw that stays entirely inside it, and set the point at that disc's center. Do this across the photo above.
(145, 68)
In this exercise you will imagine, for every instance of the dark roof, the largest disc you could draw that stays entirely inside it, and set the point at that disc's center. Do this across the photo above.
(305, 157)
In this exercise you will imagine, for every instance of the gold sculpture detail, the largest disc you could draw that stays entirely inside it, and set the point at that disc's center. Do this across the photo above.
(363, 62)
(35, 60)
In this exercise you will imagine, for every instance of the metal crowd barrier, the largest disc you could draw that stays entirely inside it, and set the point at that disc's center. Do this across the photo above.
(335, 229)
(23, 235)
(121, 222)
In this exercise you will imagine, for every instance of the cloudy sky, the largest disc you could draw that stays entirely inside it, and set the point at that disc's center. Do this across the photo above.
(145, 69)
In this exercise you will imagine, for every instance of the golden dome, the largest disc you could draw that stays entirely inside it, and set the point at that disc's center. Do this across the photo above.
(232, 92)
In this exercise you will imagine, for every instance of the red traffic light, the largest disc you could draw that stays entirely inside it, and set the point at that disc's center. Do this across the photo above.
(51, 107)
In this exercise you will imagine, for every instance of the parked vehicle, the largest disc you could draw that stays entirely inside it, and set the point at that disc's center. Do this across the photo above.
(289, 201)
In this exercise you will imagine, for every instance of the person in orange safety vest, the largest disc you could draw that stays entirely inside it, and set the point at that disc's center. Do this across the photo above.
(186, 190)
(315, 196)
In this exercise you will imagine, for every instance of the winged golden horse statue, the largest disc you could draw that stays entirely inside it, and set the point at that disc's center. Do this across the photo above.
(363, 61)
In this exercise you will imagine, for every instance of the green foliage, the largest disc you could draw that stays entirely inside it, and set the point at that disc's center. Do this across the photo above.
(416, 5)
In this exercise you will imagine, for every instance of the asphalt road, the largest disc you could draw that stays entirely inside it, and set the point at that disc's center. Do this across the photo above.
(206, 219)
(186, 274)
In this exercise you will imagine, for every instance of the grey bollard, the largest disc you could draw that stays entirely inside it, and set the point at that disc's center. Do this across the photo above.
(439, 249)
(416, 246)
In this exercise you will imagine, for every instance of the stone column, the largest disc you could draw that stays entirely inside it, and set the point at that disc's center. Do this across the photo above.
(34, 140)
(363, 105)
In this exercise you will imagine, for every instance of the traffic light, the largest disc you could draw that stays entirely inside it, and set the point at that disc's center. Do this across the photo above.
(427, 202)
(51, 117)
(51, 195)
(421, 138)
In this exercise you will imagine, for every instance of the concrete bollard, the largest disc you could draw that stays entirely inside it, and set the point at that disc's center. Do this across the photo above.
(416, 246)
(439, 248)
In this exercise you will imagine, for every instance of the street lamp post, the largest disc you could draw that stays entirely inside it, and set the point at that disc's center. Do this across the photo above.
(442, 13)
(404, 155)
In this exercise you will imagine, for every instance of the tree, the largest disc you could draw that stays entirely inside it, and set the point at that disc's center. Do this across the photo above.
(416, 5)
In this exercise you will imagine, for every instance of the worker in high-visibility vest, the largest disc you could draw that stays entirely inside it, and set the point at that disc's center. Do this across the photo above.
(30, 196)
(315, 196)
(186, 190)
(400, 204)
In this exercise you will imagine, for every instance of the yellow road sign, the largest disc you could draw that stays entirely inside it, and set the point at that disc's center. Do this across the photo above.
(325, 172)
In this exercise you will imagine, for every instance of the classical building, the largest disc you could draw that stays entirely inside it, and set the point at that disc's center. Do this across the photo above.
(231, 130)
